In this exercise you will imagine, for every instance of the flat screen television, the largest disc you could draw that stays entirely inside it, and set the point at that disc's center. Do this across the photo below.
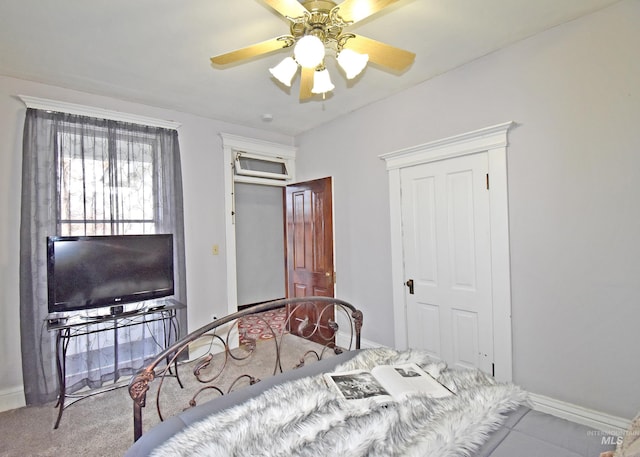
(87, 272)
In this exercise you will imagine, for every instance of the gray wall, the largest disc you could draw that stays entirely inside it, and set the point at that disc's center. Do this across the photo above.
(259, 243)
(574, 174)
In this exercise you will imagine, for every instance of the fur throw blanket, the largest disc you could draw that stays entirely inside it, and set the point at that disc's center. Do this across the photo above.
(305, 418)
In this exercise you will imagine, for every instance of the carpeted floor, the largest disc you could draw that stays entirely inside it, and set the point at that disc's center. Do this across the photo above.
(102, 425)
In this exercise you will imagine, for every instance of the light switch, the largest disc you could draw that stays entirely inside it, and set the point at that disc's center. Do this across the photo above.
(215, 250)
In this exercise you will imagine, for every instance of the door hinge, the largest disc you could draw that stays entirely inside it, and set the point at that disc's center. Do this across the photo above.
(487, 181)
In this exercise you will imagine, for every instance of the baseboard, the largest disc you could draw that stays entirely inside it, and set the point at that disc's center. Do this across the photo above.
(589, 417)
(368, 344)
(11, 398)
(343, 339)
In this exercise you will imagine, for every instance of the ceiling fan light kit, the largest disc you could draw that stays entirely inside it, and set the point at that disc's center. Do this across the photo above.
(317, 26)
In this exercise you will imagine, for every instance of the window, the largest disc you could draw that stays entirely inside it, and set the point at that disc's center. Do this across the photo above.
(106, 186)
(261, 166)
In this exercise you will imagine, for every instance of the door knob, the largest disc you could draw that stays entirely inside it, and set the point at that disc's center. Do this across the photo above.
(409, 284)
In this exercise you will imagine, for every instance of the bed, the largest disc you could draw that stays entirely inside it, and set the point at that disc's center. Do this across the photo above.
(263, 393)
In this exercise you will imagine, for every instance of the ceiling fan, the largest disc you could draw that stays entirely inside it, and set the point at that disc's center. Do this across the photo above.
(315, 27)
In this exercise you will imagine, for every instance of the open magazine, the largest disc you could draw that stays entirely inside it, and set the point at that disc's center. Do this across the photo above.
(385, 382)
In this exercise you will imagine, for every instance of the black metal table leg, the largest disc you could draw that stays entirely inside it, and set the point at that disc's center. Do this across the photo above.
(61, 368)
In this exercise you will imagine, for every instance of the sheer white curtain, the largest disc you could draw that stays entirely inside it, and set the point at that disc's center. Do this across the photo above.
(87, 176)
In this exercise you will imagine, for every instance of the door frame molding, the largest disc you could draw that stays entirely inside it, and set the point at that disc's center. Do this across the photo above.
(231, 144)
(492, 140)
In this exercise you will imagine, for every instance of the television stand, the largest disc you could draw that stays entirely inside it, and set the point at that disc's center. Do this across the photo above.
(69, 327)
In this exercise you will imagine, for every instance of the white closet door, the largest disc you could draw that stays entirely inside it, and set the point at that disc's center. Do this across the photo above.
(447, 255)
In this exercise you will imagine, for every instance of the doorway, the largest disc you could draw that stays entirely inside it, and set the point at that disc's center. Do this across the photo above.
(260, 254)
(232, 146)
(316, 198)
(474, 333)
(284, 241)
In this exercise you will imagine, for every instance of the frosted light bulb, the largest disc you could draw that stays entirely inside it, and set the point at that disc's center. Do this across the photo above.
(309, 51)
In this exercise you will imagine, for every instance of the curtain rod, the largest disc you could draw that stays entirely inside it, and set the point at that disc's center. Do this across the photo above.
(83, 110)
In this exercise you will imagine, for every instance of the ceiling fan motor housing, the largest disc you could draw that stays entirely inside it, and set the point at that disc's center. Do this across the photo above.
(320, 22)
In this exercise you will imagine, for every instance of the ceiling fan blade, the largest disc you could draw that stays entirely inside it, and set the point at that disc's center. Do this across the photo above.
(306, 83)
(381, 53)
(288, 8)
(257, 49)
(356, 10)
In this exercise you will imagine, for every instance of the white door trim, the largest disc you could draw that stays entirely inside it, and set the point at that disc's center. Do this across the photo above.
(230, 145)
(494, 141)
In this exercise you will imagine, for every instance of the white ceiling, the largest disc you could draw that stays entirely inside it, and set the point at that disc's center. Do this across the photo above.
(157, 52)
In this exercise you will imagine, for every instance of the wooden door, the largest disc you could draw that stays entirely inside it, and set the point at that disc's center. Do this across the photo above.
(309, 251)
(447, 255)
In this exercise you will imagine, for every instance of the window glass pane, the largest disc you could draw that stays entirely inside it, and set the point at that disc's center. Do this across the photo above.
(248, 163)
(134, 181)
(106, 187)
